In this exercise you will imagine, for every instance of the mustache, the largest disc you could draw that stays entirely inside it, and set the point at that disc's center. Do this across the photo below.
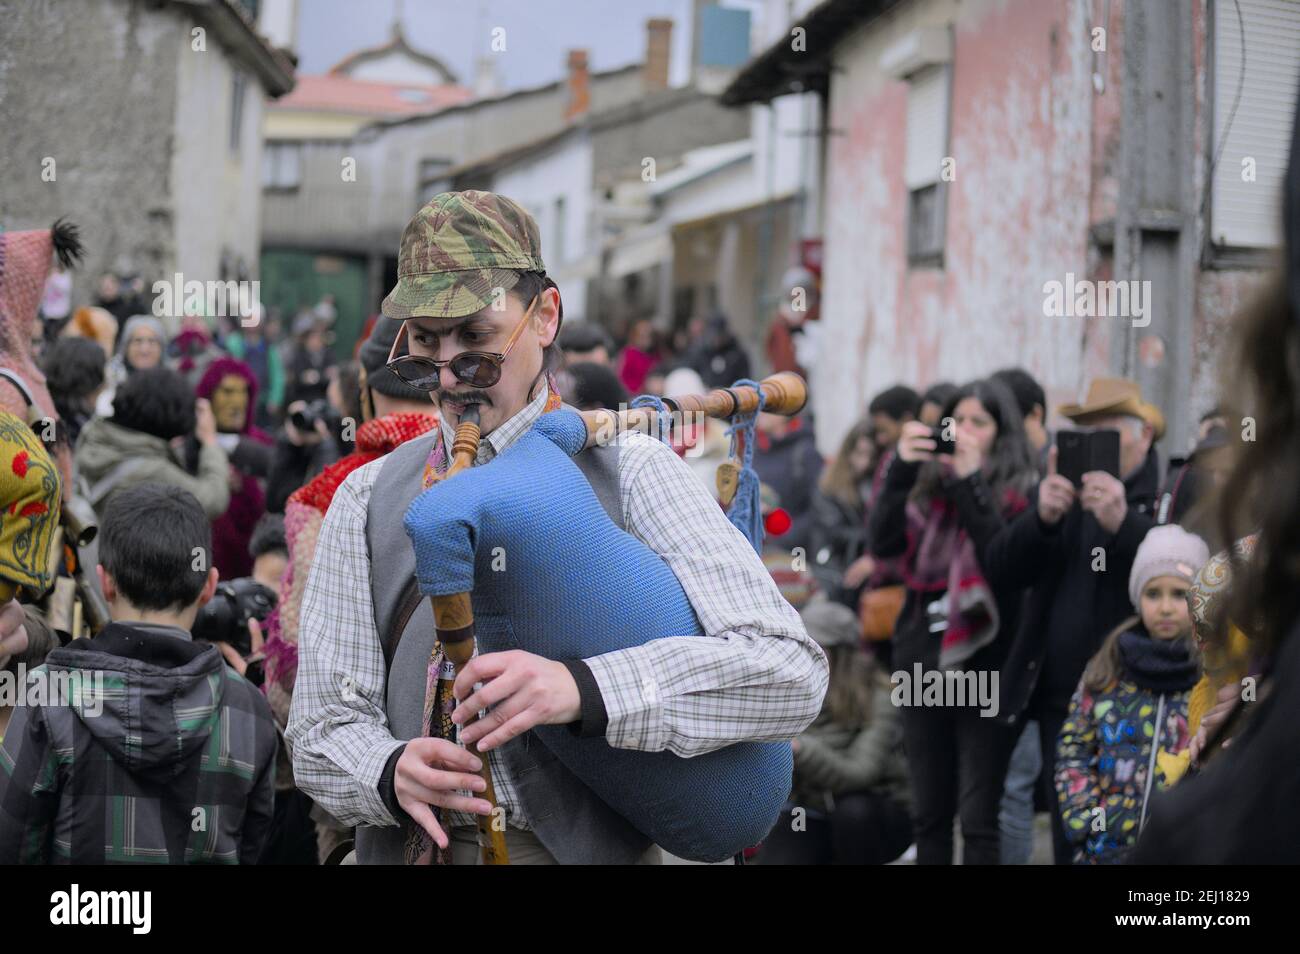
(465, 399)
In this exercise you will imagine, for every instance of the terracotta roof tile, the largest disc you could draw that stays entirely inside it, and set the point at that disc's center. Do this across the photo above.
(343, 94)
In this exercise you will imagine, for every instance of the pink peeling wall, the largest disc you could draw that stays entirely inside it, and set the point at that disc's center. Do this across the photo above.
(1036, 150)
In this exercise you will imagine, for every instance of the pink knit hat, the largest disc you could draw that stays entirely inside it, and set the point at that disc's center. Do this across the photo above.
(1166, 551)
(25, 260)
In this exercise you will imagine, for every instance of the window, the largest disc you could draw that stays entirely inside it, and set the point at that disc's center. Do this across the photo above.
(924, 226)
(927, 144)
(432, 180)
(556, 252)
(1252, 151)
(282, 165)
(237, 85)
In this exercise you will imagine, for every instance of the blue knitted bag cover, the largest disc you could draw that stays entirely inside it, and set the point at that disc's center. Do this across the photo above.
(569, 584)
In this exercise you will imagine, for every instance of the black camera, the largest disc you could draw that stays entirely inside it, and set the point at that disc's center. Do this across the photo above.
(224, 618)
(305, 418)
(942, 443)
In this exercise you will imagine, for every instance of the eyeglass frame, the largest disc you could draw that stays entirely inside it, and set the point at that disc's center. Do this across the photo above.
(496, 358)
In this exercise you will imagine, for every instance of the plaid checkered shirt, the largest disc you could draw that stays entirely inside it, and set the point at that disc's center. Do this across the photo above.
(757, 675)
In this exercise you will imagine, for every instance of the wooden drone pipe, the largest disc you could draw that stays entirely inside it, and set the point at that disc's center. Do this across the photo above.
(783, 393)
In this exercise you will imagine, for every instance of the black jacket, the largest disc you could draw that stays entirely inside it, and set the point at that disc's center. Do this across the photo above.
(1070, 606)
(791, 466)
(167, 756)
(838, 536)
(292, 466)
(1240, 809)
(721, 366)
(981, 518)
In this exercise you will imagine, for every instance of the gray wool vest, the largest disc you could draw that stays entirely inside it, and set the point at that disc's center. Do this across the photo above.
(567, 817)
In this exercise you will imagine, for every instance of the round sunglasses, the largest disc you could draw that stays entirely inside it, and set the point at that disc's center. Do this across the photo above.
(478, 369)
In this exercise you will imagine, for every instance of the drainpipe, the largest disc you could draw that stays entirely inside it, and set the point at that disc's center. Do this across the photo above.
(1155, 216)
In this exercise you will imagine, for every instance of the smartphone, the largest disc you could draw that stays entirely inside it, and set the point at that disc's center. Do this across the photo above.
(1078, 452)
(942, 445)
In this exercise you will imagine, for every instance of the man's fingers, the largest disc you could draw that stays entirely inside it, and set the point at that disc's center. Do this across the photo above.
(1051, 461)
(443, 753)
(1057, 484)
(427, 784)
(422, 815)
(516, 726)
(1058, 496)
(1100, 480)
(480, 669)
(495, 719)
(489, 694)
(463, 803)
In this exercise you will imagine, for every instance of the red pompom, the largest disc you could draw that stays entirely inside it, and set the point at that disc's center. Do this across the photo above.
(777, 522)
(35, 508)
(20, 463)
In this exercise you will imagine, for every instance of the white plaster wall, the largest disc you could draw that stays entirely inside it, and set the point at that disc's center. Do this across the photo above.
(216, 191)
(1017, 211)
(563, 171)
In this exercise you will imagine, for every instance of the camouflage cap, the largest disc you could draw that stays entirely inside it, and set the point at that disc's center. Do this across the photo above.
(457, 250)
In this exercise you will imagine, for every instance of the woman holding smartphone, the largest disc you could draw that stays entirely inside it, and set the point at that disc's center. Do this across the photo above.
(945, 492)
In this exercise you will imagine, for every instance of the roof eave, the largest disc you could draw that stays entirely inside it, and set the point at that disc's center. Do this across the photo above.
(272, 68)
(781, 70)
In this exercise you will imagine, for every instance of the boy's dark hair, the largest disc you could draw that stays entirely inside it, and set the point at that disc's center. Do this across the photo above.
(1024, 388)
(157, 402)
(939, 394)
(596, 386)
(583, 336)
(74, 367)
(148, 539)
(268, 536)
(898, 402)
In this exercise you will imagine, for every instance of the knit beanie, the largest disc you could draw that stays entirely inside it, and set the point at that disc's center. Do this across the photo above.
(373, 356)
(1168, 550)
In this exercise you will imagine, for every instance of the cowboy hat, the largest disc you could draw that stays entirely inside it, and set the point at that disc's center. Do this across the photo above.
(1115, 396)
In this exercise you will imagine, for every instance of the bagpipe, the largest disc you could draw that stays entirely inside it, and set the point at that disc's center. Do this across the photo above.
(520, 554)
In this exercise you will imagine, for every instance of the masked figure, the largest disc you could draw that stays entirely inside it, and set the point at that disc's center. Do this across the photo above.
(232, 390)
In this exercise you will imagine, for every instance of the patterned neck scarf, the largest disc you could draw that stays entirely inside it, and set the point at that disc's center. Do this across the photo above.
(439, 703)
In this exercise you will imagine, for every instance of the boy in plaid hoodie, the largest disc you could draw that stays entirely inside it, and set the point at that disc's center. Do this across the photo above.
(147, 748)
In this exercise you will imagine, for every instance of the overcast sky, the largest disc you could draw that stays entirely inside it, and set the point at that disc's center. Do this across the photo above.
(538, 33)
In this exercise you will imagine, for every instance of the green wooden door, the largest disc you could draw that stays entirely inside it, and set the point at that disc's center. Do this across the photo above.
(293, 279)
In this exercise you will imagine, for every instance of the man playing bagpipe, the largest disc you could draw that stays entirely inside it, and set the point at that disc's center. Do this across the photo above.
(668, 675)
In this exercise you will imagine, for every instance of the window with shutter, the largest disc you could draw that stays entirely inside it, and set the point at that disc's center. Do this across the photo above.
(281, 165)
(927, 144)
(1252, 143)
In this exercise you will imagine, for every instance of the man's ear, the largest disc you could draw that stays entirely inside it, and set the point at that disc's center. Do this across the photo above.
(107, 585)
(548, 314)
(1038, 414)
(209, 586)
